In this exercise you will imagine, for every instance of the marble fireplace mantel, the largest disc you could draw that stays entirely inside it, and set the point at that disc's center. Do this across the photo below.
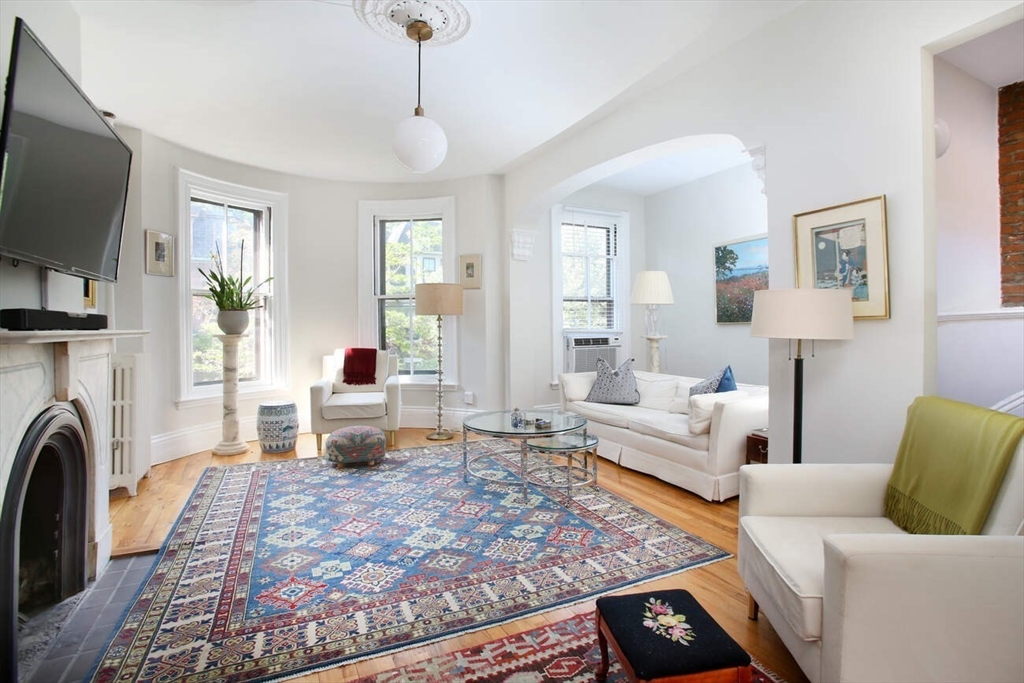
(41, 368)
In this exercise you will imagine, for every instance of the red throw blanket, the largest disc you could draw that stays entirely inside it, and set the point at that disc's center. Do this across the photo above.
(360, 366)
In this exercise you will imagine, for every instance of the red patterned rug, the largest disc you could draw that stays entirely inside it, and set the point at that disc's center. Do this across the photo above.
(565, 652)
(275, 568)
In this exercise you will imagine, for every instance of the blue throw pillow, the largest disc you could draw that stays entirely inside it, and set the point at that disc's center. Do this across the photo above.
(710, 385)
(728, 382)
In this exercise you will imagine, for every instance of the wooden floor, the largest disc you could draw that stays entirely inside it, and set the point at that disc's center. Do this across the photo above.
(142, 522)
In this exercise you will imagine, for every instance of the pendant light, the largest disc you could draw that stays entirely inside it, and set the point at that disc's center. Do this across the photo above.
(419, 143)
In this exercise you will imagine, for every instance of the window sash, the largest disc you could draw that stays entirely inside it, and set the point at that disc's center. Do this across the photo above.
(596, 248)
(254, 222)
(416, 350)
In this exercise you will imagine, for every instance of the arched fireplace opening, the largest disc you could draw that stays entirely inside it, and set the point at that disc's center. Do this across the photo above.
(43, 525)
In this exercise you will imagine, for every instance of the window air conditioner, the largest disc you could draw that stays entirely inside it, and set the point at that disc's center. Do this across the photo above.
(582, 352)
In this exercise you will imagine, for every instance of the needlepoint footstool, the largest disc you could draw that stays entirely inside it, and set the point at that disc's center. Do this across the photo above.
(351, 445)
(667, 636)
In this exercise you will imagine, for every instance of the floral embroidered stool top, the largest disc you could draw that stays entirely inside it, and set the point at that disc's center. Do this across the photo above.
(662, 634)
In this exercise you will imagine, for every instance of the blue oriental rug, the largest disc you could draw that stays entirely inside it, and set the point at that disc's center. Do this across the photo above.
(278, 568)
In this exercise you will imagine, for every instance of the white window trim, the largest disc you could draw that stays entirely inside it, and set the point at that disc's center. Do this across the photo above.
(621, 218)
(371, 211)
(195, 185)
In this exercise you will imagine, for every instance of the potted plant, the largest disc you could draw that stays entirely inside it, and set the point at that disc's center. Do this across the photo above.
(233, 296)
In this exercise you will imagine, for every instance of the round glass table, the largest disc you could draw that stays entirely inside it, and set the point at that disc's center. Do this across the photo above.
(499, 423)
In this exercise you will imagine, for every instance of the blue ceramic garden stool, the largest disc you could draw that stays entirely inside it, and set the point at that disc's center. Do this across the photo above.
(351, 445)
(667, 636)
(277, 426)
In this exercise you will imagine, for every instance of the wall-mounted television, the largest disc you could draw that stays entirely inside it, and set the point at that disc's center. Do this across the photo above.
(64, 176)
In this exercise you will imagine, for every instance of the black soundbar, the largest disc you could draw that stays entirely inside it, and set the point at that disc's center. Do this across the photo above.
(24, 319)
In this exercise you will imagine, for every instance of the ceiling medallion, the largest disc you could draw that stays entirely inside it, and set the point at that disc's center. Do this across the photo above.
(448, 19)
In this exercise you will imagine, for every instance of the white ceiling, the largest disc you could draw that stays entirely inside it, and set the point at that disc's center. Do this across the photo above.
(996, 58)
(301, 86)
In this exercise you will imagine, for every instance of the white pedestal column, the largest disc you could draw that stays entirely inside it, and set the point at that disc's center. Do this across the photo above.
(654, 352)
(229, 442)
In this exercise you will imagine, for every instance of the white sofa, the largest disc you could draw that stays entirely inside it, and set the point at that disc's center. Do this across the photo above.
(856, 598)
(654, 436)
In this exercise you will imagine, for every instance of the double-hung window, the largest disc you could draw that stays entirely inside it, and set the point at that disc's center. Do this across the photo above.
(589, 266)
(402, 244)
(244, 229)
(590, 270)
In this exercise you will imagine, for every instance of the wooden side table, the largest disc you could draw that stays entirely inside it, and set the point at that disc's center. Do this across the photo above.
(757, 446)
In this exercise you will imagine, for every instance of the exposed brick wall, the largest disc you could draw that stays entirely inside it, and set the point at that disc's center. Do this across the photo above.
(1011, 192)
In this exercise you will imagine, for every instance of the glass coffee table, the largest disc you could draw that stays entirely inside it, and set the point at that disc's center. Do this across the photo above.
(499, 424)
(579, 468)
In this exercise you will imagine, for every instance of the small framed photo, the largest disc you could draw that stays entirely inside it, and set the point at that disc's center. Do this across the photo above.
(88, 293)
(844, 247)
(159, 253)
(469, 271)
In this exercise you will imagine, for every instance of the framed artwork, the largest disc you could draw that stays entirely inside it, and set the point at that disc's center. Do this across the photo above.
(88, 293)
(469, 271)
(844, 247)
(741, 268)
(159, 253)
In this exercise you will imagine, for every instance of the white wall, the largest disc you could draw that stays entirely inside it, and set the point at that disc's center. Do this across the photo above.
(839, 94)
(683, 226)
(980, 345)
(322, 270)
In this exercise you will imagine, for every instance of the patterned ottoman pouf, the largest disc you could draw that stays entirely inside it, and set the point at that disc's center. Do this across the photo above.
(350, 445)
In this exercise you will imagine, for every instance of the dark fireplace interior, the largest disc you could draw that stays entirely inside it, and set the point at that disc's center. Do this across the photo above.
(43, 525)
(40, 536)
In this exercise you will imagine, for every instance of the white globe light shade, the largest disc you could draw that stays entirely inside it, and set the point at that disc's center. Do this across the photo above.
(419, 144)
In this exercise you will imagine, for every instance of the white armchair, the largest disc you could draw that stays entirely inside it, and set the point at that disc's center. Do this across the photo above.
(855, 598)
(334, 404)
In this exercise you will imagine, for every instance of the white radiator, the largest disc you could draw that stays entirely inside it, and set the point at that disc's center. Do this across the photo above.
(129, 451)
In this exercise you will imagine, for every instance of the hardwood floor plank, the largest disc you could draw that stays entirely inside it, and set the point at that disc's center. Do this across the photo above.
(141, 523)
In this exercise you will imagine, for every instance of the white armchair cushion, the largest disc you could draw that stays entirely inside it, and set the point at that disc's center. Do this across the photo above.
(355, 405)
(703, 405)
(576, 385)
(785, 554)
(917, 607)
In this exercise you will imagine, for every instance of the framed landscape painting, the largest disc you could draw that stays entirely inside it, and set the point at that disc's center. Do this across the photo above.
(844, 247)
(741, 268)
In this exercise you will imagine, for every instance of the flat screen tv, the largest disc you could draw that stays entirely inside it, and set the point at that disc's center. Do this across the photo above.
(64, 178)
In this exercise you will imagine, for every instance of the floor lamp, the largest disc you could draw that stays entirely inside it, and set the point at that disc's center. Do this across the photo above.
(652, 289)
(802, 314)
(439, 299)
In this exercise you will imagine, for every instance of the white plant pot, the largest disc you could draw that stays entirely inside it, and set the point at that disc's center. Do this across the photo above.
(233, 322)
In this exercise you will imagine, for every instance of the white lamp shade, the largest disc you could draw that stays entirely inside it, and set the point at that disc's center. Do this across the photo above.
(802, 314)
(419, 144)
(438, 299)
(652, 287)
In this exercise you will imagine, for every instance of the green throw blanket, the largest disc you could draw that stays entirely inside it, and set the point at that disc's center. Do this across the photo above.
(950, 465)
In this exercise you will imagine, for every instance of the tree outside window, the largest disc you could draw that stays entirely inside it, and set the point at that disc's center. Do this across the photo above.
(410, 252)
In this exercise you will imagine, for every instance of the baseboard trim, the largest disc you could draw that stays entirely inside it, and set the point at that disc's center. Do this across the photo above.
(184, 442)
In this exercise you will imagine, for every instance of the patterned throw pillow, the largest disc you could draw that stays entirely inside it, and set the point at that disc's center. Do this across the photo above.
(617, 386)
(728, 382)
(710, 385)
